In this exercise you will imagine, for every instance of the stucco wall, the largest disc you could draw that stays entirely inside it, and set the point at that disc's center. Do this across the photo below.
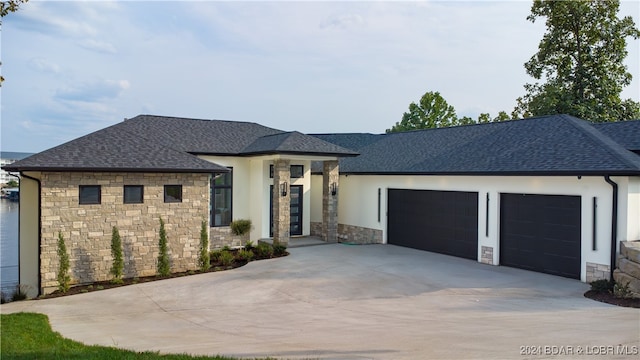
(358, 204)
(29, 215)
(87, 228)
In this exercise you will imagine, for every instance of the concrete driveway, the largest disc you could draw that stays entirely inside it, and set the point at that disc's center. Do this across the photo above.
(352, 302)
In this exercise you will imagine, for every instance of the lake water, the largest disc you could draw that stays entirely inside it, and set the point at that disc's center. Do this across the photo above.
(8, 245)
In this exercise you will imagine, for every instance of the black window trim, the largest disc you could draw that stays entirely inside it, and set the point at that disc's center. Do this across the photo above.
(165, 193)
(290, 172)
(213, 200)
(124, 196)
(85, 202)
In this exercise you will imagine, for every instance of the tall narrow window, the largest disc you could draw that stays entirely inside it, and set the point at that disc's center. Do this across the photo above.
(90, 194)
(172, 193)
(133, 194)
(221, 191)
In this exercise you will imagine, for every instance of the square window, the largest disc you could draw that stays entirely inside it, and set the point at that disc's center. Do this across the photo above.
(133, 194)
(172, 193)
(295, 171)
(90, 194)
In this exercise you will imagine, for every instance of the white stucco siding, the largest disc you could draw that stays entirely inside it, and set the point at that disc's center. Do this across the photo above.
(358, 204)
(30, 234)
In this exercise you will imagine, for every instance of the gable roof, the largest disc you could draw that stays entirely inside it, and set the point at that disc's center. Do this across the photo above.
(548, 145)
(163, 144)
(626, 133)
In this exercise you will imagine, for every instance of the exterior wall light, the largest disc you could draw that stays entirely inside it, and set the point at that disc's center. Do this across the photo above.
(283, 189)
(334, 188)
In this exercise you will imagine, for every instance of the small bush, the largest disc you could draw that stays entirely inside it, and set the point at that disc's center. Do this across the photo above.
(602, 286)
(622, 291)
(264, 251)
(164, 268)
(245, 255)
(279, 250)
(249, 245)
(226, 258)
(117, 267)
(3, 298)
(214, 256)
(240, 227)
(204, 260)
(19, 294)
(64, 279)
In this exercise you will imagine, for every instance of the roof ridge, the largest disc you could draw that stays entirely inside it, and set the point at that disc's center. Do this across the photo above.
(611, 146)
(204, 120)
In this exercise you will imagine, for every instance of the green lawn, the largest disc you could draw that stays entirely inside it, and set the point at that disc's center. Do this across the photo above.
(29, 336)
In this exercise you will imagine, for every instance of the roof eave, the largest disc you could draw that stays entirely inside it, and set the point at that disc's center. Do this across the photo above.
(489, 173)
(309, 153)
(105, 169)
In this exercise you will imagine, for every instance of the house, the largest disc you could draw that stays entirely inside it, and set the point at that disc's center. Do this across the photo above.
(553, 194)
(6, 158)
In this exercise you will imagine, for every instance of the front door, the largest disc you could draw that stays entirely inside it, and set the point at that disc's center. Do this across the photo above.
(295, 210)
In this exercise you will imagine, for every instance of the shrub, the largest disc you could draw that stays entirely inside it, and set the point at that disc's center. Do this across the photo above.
(249, 245)
(264, 251)
(117, 267)
(163, 259)
(226, 258)
(245, 255)
(19, 294)
(602, 286)
(279, 250)
(3, 298)
(64, 280)
(240, 227)
(214, 255)
(622, 291)
(204, 260)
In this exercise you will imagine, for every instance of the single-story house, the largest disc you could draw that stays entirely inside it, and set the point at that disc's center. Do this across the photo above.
(553, 194)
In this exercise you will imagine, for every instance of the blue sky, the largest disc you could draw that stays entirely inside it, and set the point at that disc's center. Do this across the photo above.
(75, 67)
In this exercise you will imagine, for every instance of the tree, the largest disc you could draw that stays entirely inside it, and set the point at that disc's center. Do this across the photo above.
(117, 267)
(5, 8)
(204, 260)
(64, 280)
(12, 183)
(432, 111)
(580, 58)
(164, 268)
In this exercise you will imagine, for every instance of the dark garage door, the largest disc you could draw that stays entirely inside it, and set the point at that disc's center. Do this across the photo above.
(541, 233)
(445, 222)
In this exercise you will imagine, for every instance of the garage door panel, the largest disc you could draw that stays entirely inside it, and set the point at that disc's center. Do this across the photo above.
(439, 221)
(541, 233)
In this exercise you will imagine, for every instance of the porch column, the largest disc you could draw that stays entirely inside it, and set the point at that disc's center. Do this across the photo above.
(330, 178)
(281, 209)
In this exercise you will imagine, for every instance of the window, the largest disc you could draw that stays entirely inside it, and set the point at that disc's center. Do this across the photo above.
(221, 191)
(295, 171)
(90, 194)
(172, 193)
(133, 194)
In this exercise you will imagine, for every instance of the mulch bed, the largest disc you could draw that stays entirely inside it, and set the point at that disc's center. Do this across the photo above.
(103, 285)
(609, 298)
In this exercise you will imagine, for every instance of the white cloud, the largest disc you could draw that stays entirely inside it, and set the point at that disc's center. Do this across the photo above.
(43, 65)
(93, 91)
(99, 46)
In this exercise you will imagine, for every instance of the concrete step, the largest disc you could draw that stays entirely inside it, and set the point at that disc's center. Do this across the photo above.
(629, 267)
(624, 278)
(631, 250)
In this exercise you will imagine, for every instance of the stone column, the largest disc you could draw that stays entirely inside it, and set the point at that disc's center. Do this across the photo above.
(330, 181)
(281, 209)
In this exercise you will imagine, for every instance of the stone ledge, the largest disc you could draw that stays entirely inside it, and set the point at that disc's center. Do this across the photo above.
(623, 279)
(630, 250)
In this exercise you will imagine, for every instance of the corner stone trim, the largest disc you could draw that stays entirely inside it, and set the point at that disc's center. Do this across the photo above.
(486, 256)
(597, 272)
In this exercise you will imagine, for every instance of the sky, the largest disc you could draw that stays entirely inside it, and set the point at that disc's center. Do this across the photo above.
(75, 67)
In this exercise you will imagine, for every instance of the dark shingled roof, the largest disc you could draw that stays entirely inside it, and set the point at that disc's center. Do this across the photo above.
(549, 145)
(626, 133)
(295, 143)
(353, 141)
(159, 143)
(114, 149)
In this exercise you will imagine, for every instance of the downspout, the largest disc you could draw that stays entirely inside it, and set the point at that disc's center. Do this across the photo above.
(39, 230)
(614, 224)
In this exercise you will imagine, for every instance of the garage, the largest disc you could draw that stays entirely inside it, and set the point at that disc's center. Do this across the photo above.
(445, 222)
(541, 233)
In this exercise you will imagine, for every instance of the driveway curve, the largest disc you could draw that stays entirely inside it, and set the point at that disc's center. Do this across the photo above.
(352, 302)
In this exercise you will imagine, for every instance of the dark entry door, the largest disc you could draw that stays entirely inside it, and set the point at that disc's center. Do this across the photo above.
(541, 233)
(295, 210)
(445, 222)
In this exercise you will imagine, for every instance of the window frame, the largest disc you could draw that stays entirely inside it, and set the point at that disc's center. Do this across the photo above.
(226, 186)
(166, 200)
(89, 202)
(290, 171)
(124, 194)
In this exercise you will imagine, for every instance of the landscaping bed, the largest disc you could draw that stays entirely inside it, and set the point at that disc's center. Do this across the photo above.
(221, 260)
(612, 293)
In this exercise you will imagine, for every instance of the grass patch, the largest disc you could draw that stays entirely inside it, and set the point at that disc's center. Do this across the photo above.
(29, 336)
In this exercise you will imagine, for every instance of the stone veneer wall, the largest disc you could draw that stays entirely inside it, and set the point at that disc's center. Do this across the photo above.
(222, 236)
(87, 228)
(486, 255)
(597, 272)
(351, 234)
(628, 271)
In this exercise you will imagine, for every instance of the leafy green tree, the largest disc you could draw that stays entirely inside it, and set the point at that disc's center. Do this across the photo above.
(7, 7)
(164, 268)
(502, 116)
(204, 260)
(581, 60)
(432, 111)
(12, 183)
(117, 268)
(64, 279)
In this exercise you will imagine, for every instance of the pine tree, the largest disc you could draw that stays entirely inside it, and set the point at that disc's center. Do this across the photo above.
(117, 267)
(204, 260)
(164, 268)
(64, 280)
